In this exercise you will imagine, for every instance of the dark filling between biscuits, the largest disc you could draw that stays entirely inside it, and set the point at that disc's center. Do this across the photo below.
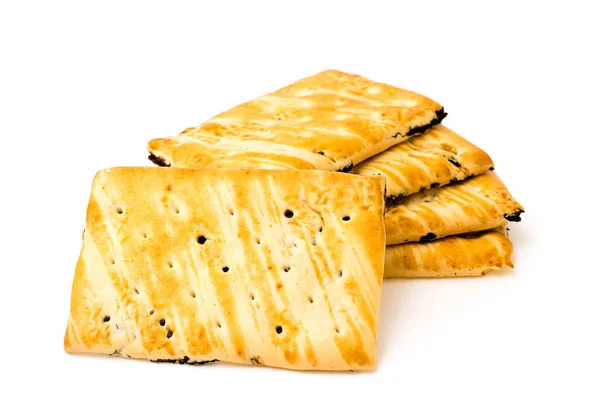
(347, 168)
(158, 160)
(184, 360)
(454, 162)
(430, 236)
(439, 116)
(514, 217)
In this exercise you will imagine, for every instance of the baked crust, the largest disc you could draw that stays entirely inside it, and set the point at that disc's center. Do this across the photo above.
(473, 205)
(471, 254)
(201, 265)
(329, 121)
(436, 158)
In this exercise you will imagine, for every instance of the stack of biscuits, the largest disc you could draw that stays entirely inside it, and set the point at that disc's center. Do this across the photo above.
(446, 210)
(267, 239)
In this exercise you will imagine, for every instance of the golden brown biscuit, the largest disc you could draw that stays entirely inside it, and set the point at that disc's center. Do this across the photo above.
(471, 254)
(280, 268)
(436, 158)
(328, 121)
(473, 205)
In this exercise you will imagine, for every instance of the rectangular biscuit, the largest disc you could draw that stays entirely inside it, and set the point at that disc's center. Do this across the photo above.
(473, 205)
(329, 121)
(436, 158)
(471, 254)
(279, 268)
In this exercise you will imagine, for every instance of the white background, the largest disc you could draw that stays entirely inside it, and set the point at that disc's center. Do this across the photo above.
(84, 87)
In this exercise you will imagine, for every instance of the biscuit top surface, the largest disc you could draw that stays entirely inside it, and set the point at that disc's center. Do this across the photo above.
(329, 121)
(281, 268)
